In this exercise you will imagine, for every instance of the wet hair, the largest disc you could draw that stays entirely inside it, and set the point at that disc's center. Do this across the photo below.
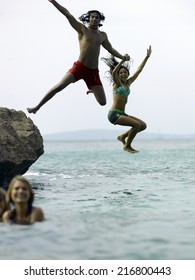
(2, 193)
(2, 196)
(111, 62)
(85, 17)
(2, 201)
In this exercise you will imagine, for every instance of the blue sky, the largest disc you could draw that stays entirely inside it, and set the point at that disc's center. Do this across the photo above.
(38, 46)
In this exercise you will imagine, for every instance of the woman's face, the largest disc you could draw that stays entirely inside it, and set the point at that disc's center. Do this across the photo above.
(20, 192)
(123, 74)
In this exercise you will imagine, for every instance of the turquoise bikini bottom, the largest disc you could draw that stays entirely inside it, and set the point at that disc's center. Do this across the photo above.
(113, 115)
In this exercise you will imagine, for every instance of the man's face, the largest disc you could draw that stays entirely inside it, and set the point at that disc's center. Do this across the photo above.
(94, 19)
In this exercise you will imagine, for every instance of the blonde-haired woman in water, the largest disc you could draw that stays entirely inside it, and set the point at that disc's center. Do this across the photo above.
(19, 199)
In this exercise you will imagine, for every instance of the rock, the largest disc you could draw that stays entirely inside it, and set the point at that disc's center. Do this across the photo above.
(21, 144)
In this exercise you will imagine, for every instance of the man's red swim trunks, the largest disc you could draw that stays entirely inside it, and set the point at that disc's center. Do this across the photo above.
(89, 75)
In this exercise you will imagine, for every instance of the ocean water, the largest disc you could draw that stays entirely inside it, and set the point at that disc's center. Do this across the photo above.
(103, 203)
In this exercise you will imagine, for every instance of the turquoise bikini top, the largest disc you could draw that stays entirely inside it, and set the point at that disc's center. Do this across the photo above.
(122, 90)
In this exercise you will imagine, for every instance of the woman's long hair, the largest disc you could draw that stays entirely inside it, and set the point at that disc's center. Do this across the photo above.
(2, 193)
(2, 199)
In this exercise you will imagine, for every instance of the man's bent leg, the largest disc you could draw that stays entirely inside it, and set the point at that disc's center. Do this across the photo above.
(99, 94)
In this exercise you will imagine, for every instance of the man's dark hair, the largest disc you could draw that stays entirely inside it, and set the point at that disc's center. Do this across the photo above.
(85, 17)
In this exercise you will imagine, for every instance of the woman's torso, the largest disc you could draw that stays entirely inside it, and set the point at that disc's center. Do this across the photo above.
(120, 97)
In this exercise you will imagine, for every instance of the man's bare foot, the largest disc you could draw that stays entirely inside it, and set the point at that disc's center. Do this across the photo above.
(89, 91)
(130, 150)
(32, 110)
(122, 139)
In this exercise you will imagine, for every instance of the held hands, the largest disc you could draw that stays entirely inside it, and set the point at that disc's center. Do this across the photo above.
(126, 57)
(149, 51)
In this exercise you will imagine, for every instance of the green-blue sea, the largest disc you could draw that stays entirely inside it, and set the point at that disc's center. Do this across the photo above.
(103, 203)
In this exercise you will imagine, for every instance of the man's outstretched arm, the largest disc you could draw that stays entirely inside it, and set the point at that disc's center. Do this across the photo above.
(73, 22)
(107, 45)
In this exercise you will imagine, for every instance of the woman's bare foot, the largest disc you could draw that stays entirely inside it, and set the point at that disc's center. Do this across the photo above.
(122, 139)
(130, 150)
(32, 110)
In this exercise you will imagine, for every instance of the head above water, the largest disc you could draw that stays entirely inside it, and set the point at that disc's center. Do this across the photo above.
(85, 18)
(20, 181)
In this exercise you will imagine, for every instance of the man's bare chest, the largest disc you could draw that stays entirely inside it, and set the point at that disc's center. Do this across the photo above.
(92, 38)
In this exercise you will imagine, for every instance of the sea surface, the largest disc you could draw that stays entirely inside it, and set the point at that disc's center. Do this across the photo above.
(103, 203)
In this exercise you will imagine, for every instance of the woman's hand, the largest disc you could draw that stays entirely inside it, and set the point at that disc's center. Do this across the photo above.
(149, 51)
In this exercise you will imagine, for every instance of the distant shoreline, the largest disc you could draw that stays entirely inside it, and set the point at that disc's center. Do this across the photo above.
(108, 135)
